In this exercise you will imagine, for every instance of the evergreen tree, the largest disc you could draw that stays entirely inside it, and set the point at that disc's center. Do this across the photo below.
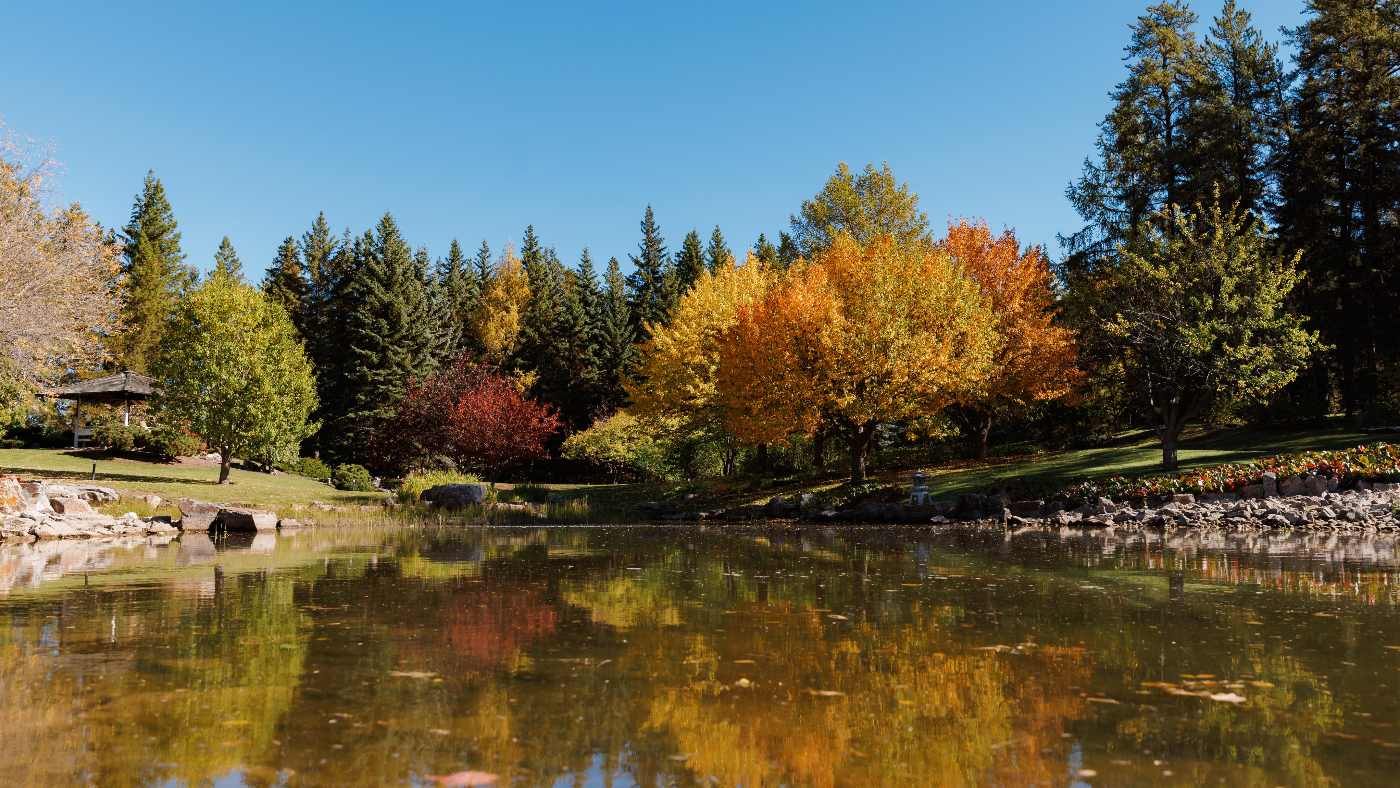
(592, 321)
(717, 253)
(1146, 155)
(617, 349)
(1340, 183)
(690, 263)
(787, 252)
(437, 328)
(484, 268)
(765, 252)
(285, 283)
(1237, 118)
(153, 275)
(650, 283)
(388, 333)
(461, 290)
(226, 262)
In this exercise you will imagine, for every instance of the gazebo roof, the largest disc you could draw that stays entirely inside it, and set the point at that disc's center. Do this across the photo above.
(120, 387)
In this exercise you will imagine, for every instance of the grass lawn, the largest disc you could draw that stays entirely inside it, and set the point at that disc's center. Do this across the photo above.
(176, 480)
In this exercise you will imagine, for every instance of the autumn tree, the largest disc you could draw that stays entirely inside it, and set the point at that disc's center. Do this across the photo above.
(58, 269)
(471, 414)
(1198, 314)
(1034, 359)
(885, 332)
(233, 370)
(676, 382)
(496, 322)
(864, 206)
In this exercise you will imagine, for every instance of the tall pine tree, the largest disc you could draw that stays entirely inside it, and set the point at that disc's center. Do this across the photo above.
(717, 253)
(690, 263)
(226, 262)
(617, 350)
(649, 283)
(765, 252)
(153, 275)
(461, 290)
(285, 282)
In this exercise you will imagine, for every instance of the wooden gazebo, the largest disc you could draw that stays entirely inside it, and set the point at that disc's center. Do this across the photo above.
(122, 389)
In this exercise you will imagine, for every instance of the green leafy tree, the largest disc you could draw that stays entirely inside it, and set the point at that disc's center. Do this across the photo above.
(863, 206)
(1198, 315)
(226, 262)
(285, 282)
(717, 253)
(233, 370)
(650, 282)
(153, 275)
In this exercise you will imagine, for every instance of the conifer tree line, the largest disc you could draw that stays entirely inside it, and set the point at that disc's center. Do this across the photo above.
(1212, 113)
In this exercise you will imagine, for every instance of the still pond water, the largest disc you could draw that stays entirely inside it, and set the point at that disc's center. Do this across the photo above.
(677, 656)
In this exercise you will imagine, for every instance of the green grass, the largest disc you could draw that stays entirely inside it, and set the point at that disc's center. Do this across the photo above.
(171, 481)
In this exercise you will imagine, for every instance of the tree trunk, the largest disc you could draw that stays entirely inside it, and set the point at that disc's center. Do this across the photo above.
(224, 461)
(984, 432)
(762, 459)
(859, 445)
(1169, 460)
(819, 448)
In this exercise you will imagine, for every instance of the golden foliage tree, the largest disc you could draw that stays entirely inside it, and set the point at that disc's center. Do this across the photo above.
(680, 366)
(58, 269)
(496, 322)
(1034, 359)
(883, 332)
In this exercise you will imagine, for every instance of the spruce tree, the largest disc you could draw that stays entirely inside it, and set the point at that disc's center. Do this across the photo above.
(460, 289)
(226, 262)
(591, 319)
(617, 351)
(483, 268)
(389, 337)
(717, 253)
(765, 252)
(690, 263)
(788, 253)
(437, 328)
(650, 282)
(285, 282)
(153, 275)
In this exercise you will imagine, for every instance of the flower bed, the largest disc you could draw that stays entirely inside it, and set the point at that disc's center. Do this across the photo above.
(1378, 462)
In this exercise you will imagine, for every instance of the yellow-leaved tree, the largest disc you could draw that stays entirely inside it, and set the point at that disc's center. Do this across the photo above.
(1035, 360)
(861, 335)
(496, 322)
(676, 383)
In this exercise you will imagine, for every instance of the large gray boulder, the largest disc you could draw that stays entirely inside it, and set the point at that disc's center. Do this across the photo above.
(70, 506)
(197, 516)
(235, 519)
(455, 496)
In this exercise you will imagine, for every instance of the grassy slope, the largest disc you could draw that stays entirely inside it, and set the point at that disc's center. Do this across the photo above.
(175, 481)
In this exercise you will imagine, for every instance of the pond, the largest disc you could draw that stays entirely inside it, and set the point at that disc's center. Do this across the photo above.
(689, 656)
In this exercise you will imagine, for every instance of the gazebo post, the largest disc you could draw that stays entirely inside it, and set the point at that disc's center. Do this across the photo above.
(77, 420)
(126, 412)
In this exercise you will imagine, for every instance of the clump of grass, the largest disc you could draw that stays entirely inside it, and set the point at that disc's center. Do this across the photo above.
(142, 509)
(415, 484)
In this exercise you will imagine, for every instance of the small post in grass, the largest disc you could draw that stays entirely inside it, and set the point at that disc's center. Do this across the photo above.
(94, 471)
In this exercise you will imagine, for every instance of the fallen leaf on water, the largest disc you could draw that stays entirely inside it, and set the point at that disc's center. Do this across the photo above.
(412, 674)
(1226, 697)
(1393, 648)
(827, 693)
(1103, 700)
(1086, 773)
(744, 683)
(464, 779)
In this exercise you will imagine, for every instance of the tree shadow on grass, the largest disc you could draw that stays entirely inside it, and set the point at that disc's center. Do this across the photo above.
(48, 473)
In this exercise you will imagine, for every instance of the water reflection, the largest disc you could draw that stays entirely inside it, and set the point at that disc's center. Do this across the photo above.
(686, 656)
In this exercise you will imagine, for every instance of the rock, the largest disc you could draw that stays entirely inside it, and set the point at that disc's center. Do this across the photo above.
(1183, 499)
(56, 529)
(197, 516)
(15, 527)
(71, 506)
(155, 526)
(1105, 506)
(455, 496)
(1252, 491)
(153, 501)
(1270, 484)
(1385, 487)
(1027, 508)
(12, 496)
(235, 519)
(288, 523)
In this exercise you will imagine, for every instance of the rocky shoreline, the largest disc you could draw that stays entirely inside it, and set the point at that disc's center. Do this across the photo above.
(32, 509)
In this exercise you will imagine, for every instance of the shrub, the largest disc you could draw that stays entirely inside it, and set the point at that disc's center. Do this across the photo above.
(168, 443)
(352, 477)
(413, 485)
(114, 437)
(310, 467)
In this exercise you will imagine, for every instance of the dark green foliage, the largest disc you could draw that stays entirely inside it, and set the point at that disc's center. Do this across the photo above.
(168, 443)
(787, 252)
(690, 263)
(717, 252)
(390, 338)
(649, 285)
(114, 437)
(483, 267)
(310, 467)
(285, 282)
(352, 477)
(460, 290)
(153, 275)
(764, 251)
(617, 351)
(556, 340)
(226, 262)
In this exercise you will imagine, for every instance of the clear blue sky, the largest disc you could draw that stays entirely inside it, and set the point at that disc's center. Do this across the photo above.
(472, 122)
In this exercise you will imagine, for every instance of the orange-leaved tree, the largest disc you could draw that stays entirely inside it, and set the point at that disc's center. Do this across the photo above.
(675, 384)
(1035, 359)
(861, 335)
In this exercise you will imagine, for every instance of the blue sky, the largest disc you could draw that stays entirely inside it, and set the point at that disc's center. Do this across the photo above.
(471, 121)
